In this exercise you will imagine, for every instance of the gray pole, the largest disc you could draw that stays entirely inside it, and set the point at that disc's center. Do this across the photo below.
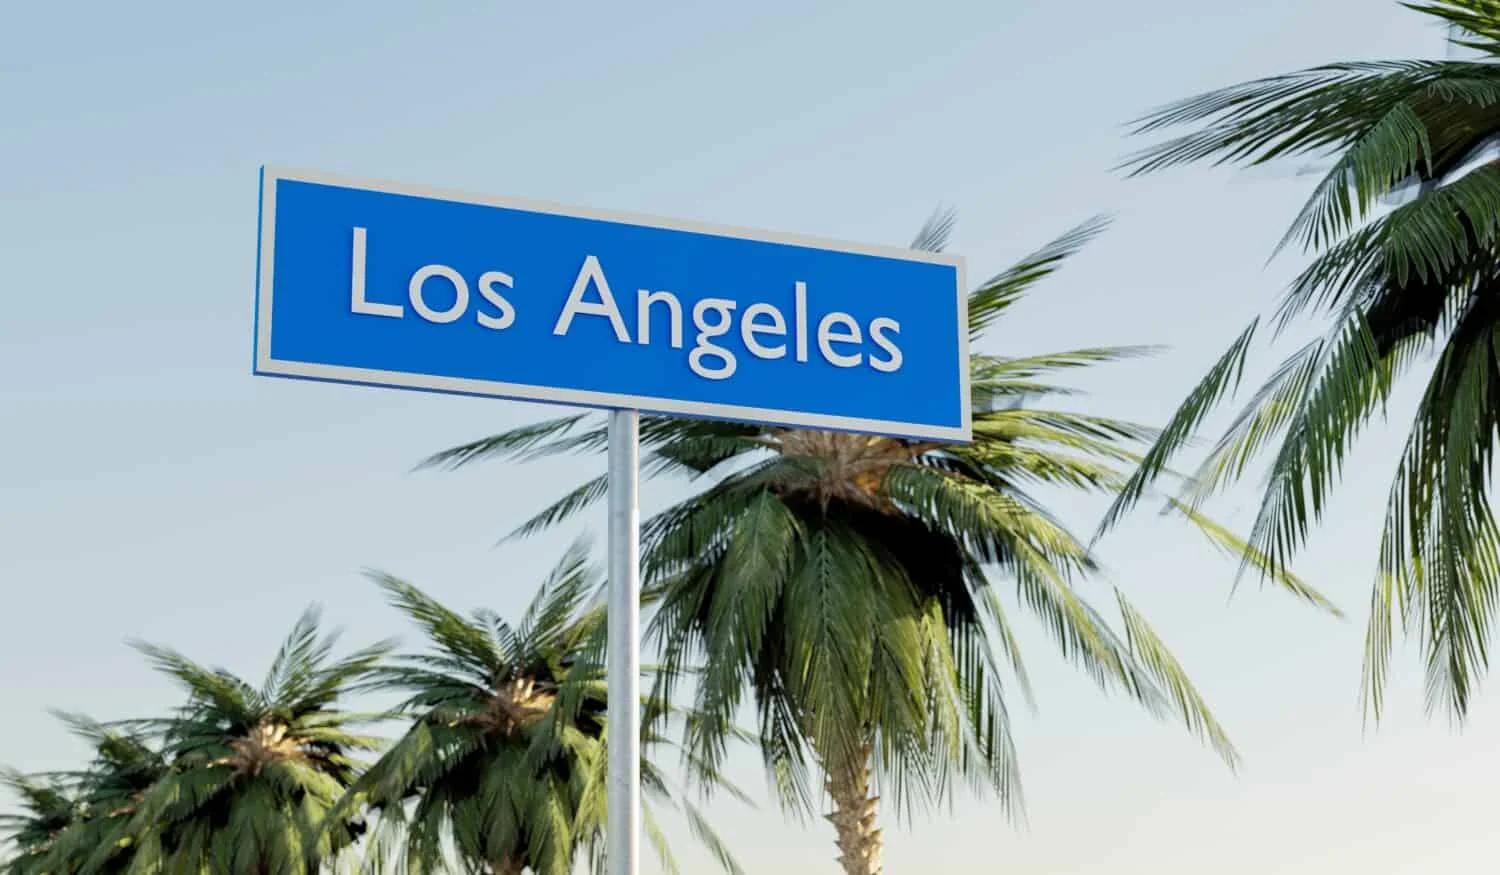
(624, 675)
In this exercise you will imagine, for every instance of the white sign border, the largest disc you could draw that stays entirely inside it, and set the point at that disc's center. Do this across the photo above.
(266, 365)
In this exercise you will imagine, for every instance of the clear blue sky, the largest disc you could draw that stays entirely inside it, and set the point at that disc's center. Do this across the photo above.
(150, 487)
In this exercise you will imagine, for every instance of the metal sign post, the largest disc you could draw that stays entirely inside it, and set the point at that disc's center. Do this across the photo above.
(623, 826)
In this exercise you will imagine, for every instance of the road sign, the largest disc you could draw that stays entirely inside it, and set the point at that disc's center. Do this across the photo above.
(403, 286)
(394, 285)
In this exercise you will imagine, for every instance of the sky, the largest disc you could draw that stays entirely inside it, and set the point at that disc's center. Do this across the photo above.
(151, 488)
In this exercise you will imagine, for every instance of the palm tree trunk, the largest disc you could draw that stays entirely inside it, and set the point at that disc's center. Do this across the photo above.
(508, 866)
(854, 815)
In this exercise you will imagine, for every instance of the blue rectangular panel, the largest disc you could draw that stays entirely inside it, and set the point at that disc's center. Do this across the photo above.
(392, 285)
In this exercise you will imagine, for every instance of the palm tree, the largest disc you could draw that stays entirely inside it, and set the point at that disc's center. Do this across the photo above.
(1399, 283)
(49, 807)
(254, 770)
(71, 815)
(125, 766)
(840, 580)
(506, 754)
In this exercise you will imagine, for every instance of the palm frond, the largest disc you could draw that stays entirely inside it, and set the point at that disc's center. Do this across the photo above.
(458, 637)
(1441, 544)
(222, 690)
(1222, 378)
(935, 232)
(508, 445)
(1310, 111)
(565, 508)
(992, 298)
(1237, 547)
(1479, 21)
(1351, 382)
(1153, 654)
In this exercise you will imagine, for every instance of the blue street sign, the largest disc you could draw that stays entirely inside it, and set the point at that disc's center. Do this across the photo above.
(395, 285)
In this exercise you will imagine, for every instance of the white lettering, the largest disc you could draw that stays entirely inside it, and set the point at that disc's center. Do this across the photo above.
(414, 291)
(764, 329)
(749, 328)
(644, 300)
(801, 318)
(878, 327)
(591, 272)
(707, 331)
(357, 302)
(487, 282)
(826, 340)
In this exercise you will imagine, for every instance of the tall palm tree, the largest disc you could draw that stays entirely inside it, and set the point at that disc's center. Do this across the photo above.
(505, 759)
(1399, 284)
(840, 581)
(255, 770)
